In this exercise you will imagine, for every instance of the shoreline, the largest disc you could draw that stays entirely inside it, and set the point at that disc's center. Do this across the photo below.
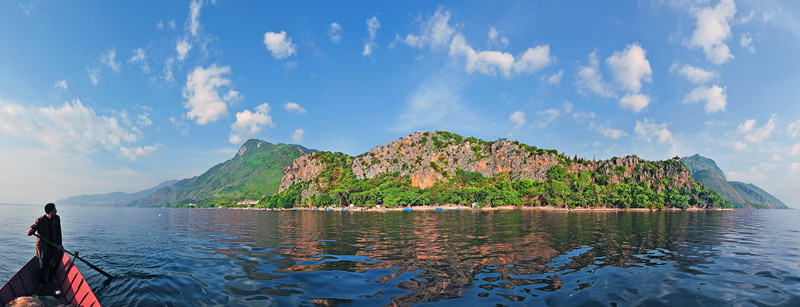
(469, 208)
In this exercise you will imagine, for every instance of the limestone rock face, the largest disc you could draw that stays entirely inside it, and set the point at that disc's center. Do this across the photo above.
(428, 157)
(302, 169)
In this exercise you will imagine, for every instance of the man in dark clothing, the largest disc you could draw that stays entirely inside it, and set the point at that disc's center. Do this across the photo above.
(49, 228)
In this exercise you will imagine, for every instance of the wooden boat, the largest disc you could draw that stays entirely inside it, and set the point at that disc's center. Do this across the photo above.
(69, 281)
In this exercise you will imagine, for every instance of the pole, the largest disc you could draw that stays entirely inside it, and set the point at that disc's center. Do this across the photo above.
(76, 257)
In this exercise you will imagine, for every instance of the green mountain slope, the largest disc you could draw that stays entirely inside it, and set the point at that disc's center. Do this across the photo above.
(706, 172)
(161, 197)
(756, 197)
(255, 171)
(714, 182)
(698, 163)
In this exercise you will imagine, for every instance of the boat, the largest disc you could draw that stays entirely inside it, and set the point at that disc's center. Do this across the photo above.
(70, 286)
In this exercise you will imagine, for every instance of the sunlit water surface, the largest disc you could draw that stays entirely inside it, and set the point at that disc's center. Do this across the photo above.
(184, 257)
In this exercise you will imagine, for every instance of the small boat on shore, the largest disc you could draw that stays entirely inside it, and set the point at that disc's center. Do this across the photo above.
(70, 286)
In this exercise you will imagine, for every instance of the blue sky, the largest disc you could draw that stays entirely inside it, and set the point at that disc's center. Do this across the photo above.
(98, 97)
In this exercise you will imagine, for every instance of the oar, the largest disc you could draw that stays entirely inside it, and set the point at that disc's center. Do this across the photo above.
(76, 257)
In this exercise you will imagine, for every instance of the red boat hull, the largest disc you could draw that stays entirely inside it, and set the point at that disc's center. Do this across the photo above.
(70, 281)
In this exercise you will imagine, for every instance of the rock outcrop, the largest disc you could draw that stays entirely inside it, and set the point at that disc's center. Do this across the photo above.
(428, 157)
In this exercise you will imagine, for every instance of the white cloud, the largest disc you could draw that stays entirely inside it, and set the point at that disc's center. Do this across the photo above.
(372, 28)
(109, 58)
(713, 29)
(183, 48)
(72, 127)
(568, 107)
(547, 116)
(714, 98)
(367, 49)
(180, 125)
(297, 135)
(777, 158)
(495, 62)
(794, 166)
(495, 38)
(335, 32)
(27, 10)
(143, 120)
(434, 32)
(795, 150)
(739, 146)
(533, 60)
(62, 84)
(767, 16)
(630, 67)
(589, 78)
(607, 131)
(754, 134)
(517, 118)
(746, 42)
(202, 91)
(436, 105)
(635, 102)
(140, 57)
(746, 19)
(94, 75)
(168, 70)
(556, 77)
(249, 124)
(695, 75)
(134, 153)
(293, 107)
(581, 116)
(794, 128)
(194, 15)
(649, 129)
(279, 45)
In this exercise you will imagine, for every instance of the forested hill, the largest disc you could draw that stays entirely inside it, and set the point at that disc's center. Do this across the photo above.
(254, 172)
(446, 168)
(742, 195)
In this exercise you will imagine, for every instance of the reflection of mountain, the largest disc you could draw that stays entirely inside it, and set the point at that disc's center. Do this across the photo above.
(435, 256)
(742, 195)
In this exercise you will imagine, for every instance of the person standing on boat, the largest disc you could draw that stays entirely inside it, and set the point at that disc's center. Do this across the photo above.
(49, 228)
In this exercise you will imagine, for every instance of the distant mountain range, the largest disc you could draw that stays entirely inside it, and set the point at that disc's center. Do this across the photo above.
(113, 199)
(742, 195)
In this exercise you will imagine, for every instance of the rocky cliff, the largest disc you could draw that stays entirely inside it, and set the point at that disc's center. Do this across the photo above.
(428, 157)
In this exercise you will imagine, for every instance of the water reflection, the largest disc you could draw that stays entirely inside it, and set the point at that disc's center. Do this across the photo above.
(399, 258)
(177, 257)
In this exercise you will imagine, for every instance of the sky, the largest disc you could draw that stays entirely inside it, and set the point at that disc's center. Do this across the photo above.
(105, 96)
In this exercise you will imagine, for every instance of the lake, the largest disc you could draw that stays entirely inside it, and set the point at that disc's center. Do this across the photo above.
(185, 257)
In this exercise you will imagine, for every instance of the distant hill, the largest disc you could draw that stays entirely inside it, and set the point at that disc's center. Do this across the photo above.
(742, 195)
(255, 171)
(160, 196)
(112, 199)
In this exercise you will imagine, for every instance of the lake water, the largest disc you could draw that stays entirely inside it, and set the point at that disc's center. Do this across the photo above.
(185, 257)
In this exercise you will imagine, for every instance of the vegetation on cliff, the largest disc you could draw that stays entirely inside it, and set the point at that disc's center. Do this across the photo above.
(445, 168)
